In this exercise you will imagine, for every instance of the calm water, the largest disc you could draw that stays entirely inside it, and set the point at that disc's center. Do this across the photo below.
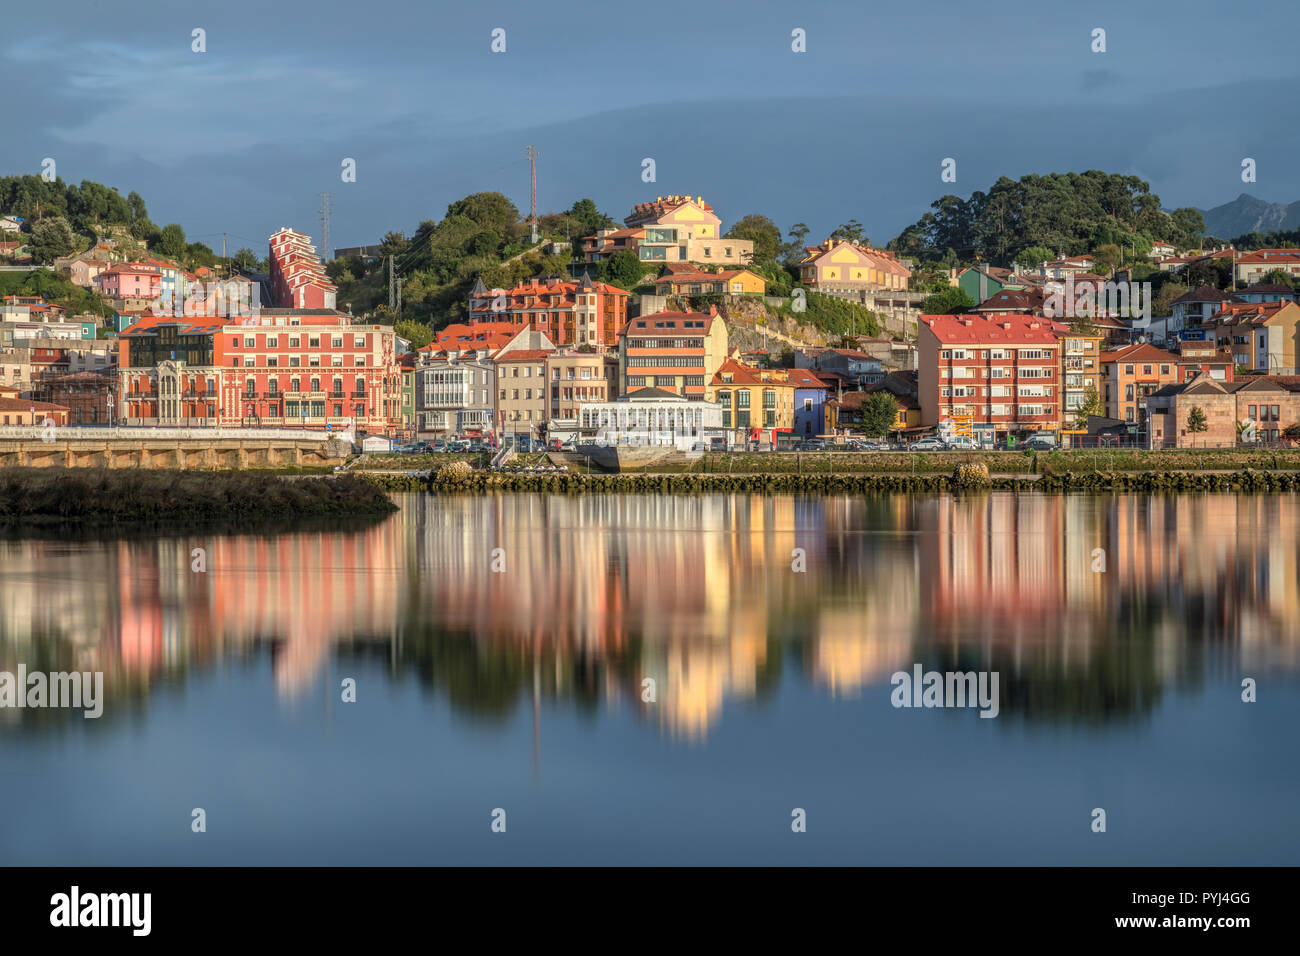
(522, 689)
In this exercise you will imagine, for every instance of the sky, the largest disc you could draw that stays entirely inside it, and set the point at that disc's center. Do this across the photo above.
(243, 137)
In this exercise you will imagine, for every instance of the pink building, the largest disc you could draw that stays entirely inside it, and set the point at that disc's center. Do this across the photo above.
(129, 280)
(298, 280)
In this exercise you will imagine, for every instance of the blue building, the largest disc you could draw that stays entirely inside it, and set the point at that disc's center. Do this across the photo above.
(809, 403)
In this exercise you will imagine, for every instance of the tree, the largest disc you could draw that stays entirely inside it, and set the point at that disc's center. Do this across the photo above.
(1277, 277)
(1196, 422)
(1032, 257)
(879, 412)
(244, 260)
(489, 210)
(947, 301)
(136, 204)
(591, 218)
(172, 241)
(1164, 303)
(623, 269)
(393, 244)
(1107, 258)
(416, 333)
(852, 231)
(1091, 406)
(763, 232)
(51, 238)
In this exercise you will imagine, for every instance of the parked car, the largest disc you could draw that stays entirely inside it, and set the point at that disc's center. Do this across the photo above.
(438, 446)
(928, 444)
(476, 447)
(962, 443)
(1040, 443)
(810, 444)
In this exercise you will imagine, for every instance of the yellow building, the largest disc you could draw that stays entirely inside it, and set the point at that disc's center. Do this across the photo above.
(690, 281)
(840, 264)
(753, 397)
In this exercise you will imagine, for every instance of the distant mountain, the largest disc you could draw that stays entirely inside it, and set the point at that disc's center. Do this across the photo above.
(1247, 214)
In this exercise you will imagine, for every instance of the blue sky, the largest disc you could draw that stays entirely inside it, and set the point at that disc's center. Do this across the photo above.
(244, 137)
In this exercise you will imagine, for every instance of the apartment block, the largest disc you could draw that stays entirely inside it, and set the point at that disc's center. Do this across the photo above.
(1000, 374)
(675, 351)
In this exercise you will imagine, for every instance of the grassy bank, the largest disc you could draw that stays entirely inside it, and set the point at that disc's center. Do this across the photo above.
(965, 479)
(124, 496)
(998, 463)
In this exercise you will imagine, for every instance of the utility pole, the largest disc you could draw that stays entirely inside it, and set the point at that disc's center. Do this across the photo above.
(224, 264)
(325, 227)
(392, 293)
(532, 219)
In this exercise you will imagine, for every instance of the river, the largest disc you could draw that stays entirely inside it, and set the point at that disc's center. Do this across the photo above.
(650, 679)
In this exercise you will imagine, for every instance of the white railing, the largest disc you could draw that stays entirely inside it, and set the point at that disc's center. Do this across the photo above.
(162, 433)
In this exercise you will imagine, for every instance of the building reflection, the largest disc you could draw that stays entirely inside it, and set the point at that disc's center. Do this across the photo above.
(1090, 607)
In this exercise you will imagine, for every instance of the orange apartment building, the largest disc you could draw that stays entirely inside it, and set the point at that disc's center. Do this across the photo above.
(674, 351)
(283, 368)
(569, 313)
(1131, 374)
(1001, 372)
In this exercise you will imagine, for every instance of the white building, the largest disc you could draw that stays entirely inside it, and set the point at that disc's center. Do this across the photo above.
(653, 417)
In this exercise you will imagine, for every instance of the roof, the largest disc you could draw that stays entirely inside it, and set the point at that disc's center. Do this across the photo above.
(651, 392)
(1204, 293)
(198, 325)
(1138, 353)
(696, 275)
(989, 330)
(22, 405)
(1267, 256)
(803, 378)
(1251, 313)
(656, 324)
(524, 355)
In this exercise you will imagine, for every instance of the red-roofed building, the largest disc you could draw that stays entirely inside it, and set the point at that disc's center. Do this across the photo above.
(129, 280)
(298, 280)
(1132, 373)
(573, 312)
(755, 400)
(839, 266)
(22, 411)
(1262, 335)
(674, 351)
(284, 367)
(1253, 266)
(1000, 373)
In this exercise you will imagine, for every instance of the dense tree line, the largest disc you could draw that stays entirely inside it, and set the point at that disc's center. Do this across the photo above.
(1065, 213)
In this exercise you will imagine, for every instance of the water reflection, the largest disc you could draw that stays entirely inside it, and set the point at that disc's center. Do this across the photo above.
(696, 593)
